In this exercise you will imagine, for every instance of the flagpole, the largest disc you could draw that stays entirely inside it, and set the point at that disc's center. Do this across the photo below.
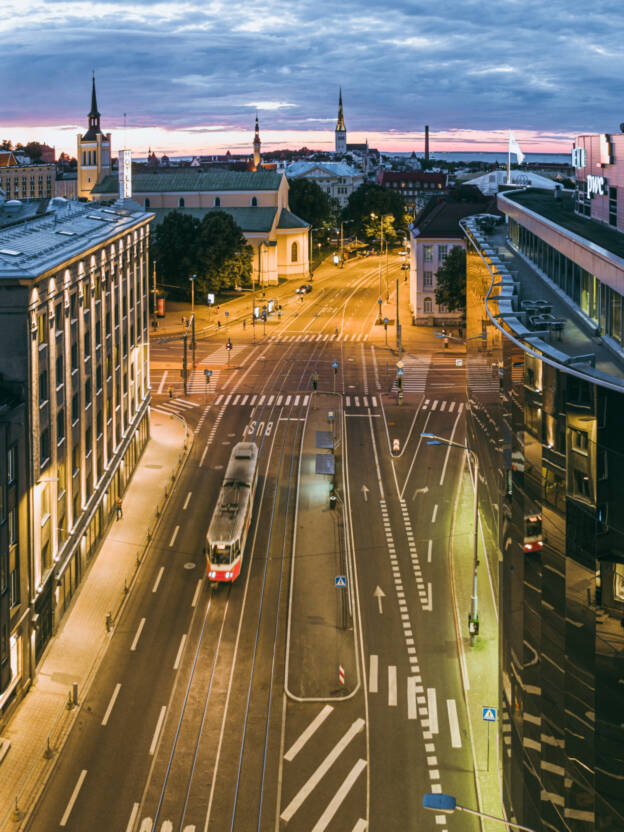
(509, 160)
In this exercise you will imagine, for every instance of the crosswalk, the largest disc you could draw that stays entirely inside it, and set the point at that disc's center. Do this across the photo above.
(307, 338)
(442, 406)
(253, 400)
(175, 407)
(415, 372)
(409, 695)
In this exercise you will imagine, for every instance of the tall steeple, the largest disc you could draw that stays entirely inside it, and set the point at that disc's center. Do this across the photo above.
(94, 115)
(341, 130)
(93, 151)
(256, 146)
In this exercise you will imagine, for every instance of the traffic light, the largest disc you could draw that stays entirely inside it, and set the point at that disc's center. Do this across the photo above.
(315, 381)
(400, 382)
(228, 345)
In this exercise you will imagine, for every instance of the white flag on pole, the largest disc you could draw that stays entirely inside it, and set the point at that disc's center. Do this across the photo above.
(514, 147)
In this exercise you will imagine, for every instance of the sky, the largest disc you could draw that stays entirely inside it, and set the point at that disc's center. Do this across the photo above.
(190, 75)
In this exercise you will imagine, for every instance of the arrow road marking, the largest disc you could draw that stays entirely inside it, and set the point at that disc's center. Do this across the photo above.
(365, 491)
(379, 594)
(418, 491)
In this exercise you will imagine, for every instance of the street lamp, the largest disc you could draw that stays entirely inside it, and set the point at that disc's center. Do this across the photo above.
(192, 279)
(447, 804)
(473, 616)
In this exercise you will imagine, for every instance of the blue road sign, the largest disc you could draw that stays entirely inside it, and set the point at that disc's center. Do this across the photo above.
(340, 581)
(207, 373)
(386, 321)
(399, 372)
(226, 314)
(335, 365)
(488, 714)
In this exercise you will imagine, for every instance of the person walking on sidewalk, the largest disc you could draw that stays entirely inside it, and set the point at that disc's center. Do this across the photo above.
(119, 507)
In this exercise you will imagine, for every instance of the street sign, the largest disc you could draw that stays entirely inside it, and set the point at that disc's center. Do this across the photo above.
(459, 362)
(400, 372)
(336, 259)
(335, 365)
(386, 321)
(210, 297)
(488, 714)
(340, 581)
(226, 314)
(400, 364)
(207, 373)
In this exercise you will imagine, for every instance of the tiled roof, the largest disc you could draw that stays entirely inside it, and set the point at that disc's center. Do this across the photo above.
(181, 181)
(249, 220)
(289, 220)
(7, 159)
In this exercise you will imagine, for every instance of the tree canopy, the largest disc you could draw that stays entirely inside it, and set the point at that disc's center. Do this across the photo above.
(214, 249)
(451, 281)
(385, 203)
(310, 202)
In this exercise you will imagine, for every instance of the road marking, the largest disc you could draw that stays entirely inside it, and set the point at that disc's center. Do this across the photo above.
(392, 685)
(373, 674)
(197, 591)
(452, 407)
(348, 401)
(279, 400)
(360, 826)
(203, 457)
(270, 402)
(432, 709)
(443, 406)
(428, 605)
(219, 399)
(138, 635)
(173, 536)
(133, 816)
(161, 386)
(339, 797)
(236, 399)
(374, 399)
(72, 799)
(262, 398)
(178, 657)
(320, 772)
(429, 548)
(305, 400)
(252, 401)
(244, 399)
(454, 723)
(288, 398)
(158, 577)
(111, 704)
(435, 513)
(412, 707)
(186, 502)
(161, 719)
(316, 723)
(434, 405)
(227, 401)
(296, 402)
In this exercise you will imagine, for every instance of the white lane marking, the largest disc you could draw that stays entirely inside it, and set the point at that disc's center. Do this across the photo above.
(173, 536)
(461, 407)
(338, 798)
(374, 401)
(161, 719)
(219, 399)
(252, 401)
(435, 513)
(443, 406)
(434, 405)
(146, 825)
(412, 707)
(161, 386)
(133, 646)
(432, 709)
(392, 685)
(318, 720)
(296, 402)
(190, 828)
(262, 398)
(111, 704)
(429, 548)
(279, 400)
(72, 799)
(454, 723)
(197, 591)
(236, 399)
(288, 398)
(452, 407)
(186, 502)
(133, 816)
(320, 772)
(270, 402)
(203, 456)
(227, 401)
(360, 826)
(158, 577)
(178, 657)
(373, 674)
(306, 399)
(348, 401)
(244, 399)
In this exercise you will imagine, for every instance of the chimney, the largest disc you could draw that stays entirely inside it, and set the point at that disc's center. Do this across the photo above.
(426, 142)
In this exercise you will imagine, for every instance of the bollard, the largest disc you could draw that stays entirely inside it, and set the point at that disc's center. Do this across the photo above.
(48, 751)
(109, 622)
(125, 589)
(75, 692)
(341, 674)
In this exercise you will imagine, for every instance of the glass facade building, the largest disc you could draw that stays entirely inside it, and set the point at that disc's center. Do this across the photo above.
(546, 420)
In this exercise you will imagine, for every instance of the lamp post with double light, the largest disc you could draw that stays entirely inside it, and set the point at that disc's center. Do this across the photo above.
(447, 804)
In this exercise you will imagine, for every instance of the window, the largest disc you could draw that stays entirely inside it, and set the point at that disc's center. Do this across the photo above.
(74, 356)
(75, 459)
(11, 464)
(58, 316)
(72, 306)
(59, 369)
(43, 387)
(12, 527)
(217, 202)
(580, 441)
(254, 202)
(442, 253)
(60, 426)
(42, 328)
(613, 206)
(581, 484)
(427, 278)
(88, 393)
(75, 408)
(427, 305)
(147, 203)
(14, 593)
(181, 202)
(294, 253)
(428, 254)
(98, 377)
(44, 447)
(87, 344)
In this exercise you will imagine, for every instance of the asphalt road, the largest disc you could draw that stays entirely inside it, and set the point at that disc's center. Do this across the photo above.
(187, 726)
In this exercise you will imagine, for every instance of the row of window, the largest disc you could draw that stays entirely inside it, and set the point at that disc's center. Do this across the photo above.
(428, 251)
(416, 186)
(147, 202)
(583, 202)
(598, 301)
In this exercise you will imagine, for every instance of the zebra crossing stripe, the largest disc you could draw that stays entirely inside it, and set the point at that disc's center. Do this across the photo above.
(228, 400)
(271, 399)
(365, 400)
(287, 402)
(326, 336)
(279, 400)
(348, 400)
(357, 401)
(244, 399)
(452, 407)
(460, 408)
(443, 406)
(219, 399)
(184, 404)
(253, 400)
(374, 401)
(262, 398)
(434, 405)
(306, 399)
(296, 402)
(236, 398)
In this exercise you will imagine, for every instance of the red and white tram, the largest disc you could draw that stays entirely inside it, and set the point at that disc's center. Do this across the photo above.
(229, 526)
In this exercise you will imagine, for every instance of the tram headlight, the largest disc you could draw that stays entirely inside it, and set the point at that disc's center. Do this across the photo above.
(212, 574)
(228, 574)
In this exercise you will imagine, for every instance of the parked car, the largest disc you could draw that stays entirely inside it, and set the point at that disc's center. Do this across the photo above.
(405, 266)
(302, 290)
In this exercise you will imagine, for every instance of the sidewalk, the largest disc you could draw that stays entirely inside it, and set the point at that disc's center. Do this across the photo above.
(481, 660)
(320, 634)
(75, 651)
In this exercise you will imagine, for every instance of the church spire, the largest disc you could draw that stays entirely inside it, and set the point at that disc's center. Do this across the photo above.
(256, 146)
(341, 130)
(94, 115)
(340, 124)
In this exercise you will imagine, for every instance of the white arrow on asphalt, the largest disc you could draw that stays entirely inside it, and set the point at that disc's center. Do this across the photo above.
(365, 491)
(424, 490)
(379, 594)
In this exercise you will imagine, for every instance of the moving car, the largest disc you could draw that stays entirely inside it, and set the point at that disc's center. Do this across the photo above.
(302, 290)
(404, 266)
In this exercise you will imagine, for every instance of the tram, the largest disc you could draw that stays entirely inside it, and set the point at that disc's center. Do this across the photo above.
(229, 526)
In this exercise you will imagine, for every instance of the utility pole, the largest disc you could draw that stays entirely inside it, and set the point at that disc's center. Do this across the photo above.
(193, 339)
(398, 325)
(185, 363)
(154, 310)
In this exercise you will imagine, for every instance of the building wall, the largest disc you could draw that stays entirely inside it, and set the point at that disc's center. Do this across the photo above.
(94, 163)
(292, 262)
(549, 442)
(28, 181)
(207, 199)
(67, 188)
(426, 256)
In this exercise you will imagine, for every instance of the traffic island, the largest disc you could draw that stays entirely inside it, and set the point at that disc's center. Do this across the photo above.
(321, 657)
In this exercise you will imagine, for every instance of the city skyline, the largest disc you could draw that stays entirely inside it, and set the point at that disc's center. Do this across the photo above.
(190, 78)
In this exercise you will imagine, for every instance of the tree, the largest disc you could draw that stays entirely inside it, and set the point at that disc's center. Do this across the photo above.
(174, 249)
(223, 257)
(373, 199)
(310, 202)
(451, 281)
(6, 144)
(33, 150)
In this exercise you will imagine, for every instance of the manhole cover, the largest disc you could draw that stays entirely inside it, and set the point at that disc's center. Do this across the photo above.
(189, 566)
(226, 443)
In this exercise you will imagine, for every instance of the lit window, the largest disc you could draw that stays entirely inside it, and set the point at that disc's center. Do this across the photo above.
(428, 254)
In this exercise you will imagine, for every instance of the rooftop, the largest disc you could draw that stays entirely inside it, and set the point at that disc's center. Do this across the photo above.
(69, 228)
(561, 212)
(250, 220)
(187, 179)
(440, 217)
(335, 168)
(575, 339)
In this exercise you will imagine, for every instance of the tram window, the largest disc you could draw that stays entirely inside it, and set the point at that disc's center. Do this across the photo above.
(221, 554)
(533, 533)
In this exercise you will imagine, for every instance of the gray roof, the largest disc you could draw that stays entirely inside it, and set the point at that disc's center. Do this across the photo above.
(289, 220)
(249, 220)
(187, 179)
(302, 168)
(37, 245)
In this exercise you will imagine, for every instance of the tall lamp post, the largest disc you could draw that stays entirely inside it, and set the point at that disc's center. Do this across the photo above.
(473, 616)
(447, 804)
(192, 279)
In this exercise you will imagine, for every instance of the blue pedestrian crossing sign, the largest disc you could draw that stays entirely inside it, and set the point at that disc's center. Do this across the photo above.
(334, 365)
(488, 714)
(207, 373)
(340, 581)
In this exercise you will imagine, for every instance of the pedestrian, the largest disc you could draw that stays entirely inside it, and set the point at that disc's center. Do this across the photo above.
(171, 392)
(244, 323)
(182, 320)
(446, 341)
(218, 323)
(118, 507)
